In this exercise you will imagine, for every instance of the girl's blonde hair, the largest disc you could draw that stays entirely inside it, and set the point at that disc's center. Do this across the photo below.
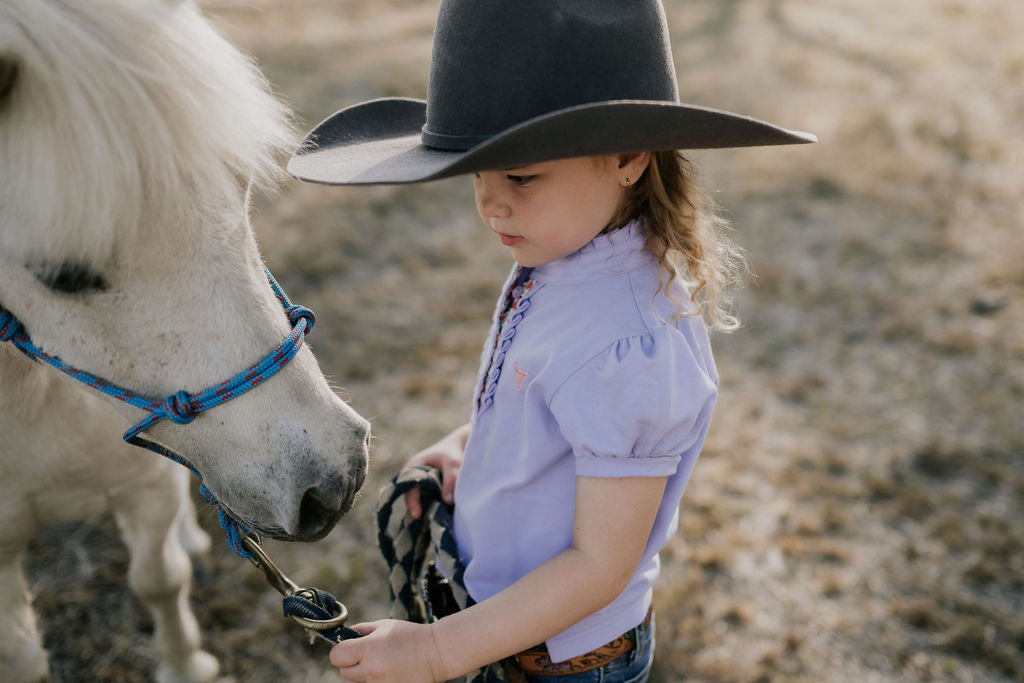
(686, 236)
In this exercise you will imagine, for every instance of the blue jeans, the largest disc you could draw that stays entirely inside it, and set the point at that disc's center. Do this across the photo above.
(632, 667)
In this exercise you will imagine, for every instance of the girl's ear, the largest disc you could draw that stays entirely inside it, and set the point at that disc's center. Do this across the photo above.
(633, 164)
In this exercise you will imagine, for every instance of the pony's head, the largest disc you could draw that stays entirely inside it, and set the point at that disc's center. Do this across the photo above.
(130, 133)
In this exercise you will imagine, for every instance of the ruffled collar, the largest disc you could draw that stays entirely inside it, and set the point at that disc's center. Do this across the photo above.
(607, 254)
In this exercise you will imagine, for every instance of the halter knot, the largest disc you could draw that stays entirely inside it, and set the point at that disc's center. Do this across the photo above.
(179, 408)
(9, 325)
(295, 313)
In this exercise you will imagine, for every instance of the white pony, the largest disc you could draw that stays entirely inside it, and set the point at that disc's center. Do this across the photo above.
(129, 134)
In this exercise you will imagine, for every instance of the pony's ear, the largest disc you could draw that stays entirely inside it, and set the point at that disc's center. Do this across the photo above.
(8, 76)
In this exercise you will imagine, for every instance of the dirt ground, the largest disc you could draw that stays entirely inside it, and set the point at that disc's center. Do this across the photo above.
(857, 512)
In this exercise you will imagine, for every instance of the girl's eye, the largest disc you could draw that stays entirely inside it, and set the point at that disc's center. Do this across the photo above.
(520, 179)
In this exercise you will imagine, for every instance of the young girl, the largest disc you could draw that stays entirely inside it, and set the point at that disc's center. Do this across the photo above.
(597, 382)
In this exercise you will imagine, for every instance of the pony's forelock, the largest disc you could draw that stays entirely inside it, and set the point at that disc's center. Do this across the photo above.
(117, 114)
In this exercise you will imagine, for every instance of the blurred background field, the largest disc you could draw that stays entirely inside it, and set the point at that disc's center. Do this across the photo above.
(857, 512)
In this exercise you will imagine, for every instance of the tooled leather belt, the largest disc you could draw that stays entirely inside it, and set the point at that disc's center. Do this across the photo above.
(537, 662)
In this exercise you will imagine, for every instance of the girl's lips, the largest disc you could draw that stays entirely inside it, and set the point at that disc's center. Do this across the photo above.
(509, 240)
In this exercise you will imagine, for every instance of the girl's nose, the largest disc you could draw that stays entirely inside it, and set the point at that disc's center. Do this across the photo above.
(490, 199)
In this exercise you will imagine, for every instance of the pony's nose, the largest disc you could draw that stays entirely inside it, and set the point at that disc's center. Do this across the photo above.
(323, 505)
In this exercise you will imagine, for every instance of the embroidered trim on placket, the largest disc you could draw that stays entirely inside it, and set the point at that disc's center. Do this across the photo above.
(517, 302)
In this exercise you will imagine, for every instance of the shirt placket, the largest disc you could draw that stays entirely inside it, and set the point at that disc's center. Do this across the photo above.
(517, 303)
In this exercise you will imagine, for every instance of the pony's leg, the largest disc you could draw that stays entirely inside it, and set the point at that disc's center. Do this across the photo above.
(194, 540)
(22, 657)
(160, 572)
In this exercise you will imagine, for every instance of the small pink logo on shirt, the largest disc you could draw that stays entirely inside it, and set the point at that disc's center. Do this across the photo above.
(521, 375)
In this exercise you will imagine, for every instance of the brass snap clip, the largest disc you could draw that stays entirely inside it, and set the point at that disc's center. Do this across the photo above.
(286, 587)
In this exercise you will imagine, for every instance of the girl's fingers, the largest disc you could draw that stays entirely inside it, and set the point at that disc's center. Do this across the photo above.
(348, 653)
(412, 503)
(344, 655)
(449, 476)
(365, 629)
(448, 486)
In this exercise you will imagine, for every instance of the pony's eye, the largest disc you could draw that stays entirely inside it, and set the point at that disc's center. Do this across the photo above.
(8, 76)
(71, 278)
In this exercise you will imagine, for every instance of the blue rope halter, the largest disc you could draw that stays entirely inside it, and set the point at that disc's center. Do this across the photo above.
(182, 407)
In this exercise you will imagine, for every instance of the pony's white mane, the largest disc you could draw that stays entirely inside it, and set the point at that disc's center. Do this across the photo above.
(120, 109)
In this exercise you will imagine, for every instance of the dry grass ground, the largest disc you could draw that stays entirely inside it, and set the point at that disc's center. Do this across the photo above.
(857, 513)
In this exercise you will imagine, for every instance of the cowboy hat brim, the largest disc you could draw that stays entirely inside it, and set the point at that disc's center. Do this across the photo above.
(379, 142)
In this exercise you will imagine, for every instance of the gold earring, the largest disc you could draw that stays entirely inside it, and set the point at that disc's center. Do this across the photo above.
(627, 181)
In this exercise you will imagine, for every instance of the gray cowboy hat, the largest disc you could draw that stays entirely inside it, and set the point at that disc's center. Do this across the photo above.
(515, 82)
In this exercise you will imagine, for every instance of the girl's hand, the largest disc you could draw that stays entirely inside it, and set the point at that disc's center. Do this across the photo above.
(390, 651)
(446, 456)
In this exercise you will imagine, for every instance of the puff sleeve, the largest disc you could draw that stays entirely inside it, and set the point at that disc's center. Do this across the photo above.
(639, 406)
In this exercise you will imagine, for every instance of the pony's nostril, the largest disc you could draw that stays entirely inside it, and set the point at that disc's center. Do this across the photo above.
(322, 506)
(317, 514)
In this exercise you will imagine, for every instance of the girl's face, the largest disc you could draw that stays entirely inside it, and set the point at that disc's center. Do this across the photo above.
(551, 209)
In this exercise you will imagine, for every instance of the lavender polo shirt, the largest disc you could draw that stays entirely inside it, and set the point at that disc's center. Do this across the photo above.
(589, 379)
